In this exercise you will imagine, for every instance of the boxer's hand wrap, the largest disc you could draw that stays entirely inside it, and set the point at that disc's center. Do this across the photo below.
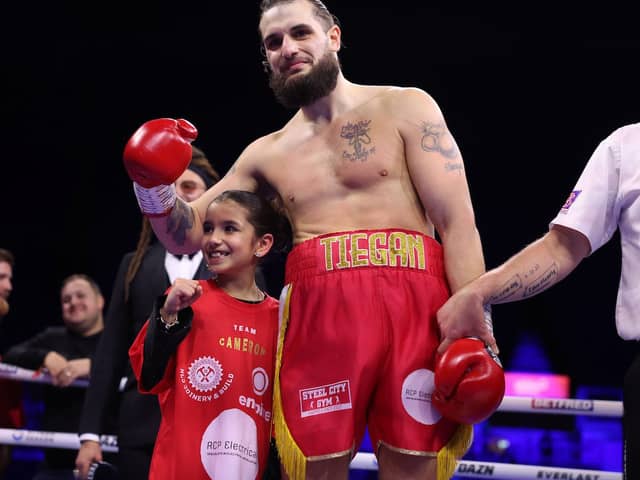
(154, 157)
(488, 320)
(489, 323)
(155, 201)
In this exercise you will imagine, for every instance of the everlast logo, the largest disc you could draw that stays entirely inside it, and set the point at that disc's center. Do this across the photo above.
(394, 249)
(566, 475)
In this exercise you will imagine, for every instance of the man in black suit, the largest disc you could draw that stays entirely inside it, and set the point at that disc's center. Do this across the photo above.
(142, 276)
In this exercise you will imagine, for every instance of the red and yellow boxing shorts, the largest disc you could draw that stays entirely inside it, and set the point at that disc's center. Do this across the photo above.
(357, 346)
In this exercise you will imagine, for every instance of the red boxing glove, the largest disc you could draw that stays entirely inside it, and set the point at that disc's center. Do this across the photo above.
(159, 151)
(469, 382)
(154, 157)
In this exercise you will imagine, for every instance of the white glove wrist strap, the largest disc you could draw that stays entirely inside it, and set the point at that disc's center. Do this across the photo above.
(155, 201)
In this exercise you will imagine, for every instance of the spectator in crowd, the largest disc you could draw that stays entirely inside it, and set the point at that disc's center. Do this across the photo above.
(65, 353)
(6, 275)
(11, 413)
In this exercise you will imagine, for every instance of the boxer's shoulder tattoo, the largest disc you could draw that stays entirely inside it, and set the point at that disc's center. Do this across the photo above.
(437, 138)
(507, 290)
(542, 280)
(360, 143)
(180, 220)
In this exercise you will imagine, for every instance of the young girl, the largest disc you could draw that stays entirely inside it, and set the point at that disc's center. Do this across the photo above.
(208, 351)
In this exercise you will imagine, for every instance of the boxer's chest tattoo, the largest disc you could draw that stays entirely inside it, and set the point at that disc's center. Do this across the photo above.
(360, 144)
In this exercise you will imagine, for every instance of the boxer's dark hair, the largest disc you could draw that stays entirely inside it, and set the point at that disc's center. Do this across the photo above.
(202, 164)
(81, 276)
(320, 10)
(7, 256)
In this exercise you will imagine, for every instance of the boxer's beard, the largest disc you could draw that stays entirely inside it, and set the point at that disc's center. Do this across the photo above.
(304, 89)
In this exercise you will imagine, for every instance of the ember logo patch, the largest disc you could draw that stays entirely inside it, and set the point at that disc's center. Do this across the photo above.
(325, 399)
(572, 198)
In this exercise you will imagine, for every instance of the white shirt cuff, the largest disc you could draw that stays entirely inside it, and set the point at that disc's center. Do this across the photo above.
(92, 437)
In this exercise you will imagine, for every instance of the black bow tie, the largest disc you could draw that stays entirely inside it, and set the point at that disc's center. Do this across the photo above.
(179, 257)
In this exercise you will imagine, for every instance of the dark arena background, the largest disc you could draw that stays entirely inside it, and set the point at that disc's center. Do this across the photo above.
(527, 89)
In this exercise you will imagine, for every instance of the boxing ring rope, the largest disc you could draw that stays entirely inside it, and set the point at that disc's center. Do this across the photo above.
(557, 406)
(366, 461)
(561, 406)
(13, 372)
(467, 469)
(362, 461)
(36, 438)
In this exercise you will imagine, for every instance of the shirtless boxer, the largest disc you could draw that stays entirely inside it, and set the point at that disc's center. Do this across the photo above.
(366, 175)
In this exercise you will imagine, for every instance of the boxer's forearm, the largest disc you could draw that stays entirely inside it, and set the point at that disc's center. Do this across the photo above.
(463, 257)
(463, 315)
(181, 230)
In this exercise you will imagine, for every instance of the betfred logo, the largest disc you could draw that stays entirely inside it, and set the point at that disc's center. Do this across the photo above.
(325, 399)
(562, 404)
(571, 199)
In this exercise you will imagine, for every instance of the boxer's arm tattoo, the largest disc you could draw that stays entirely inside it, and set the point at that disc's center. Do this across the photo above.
(543, 281)
(179, 221)
(437, 138)
(510, 288)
